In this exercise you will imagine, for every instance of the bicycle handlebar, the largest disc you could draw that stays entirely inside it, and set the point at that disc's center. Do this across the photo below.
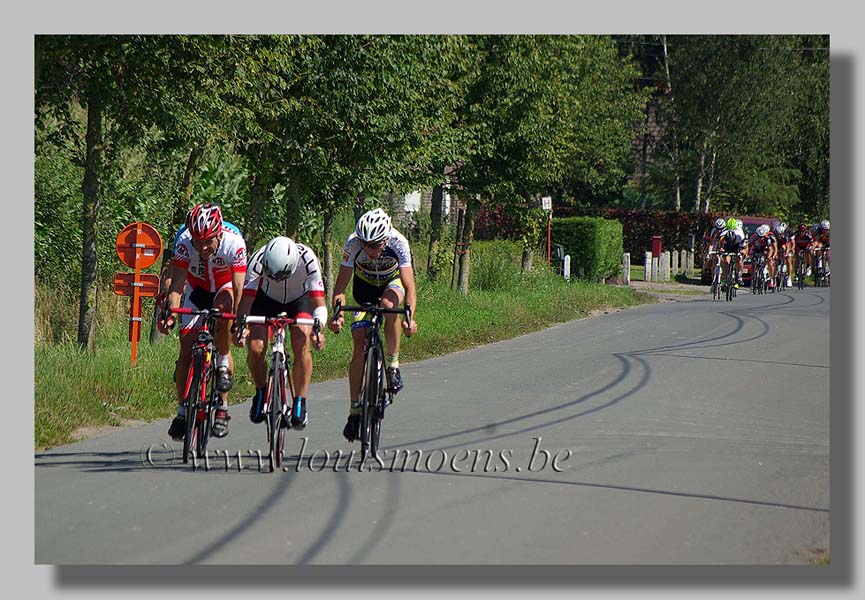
(405, 311)
(280, 321)
(207, 312)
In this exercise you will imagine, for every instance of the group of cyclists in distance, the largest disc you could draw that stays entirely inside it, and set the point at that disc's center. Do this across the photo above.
(776, 242)
(210, 269)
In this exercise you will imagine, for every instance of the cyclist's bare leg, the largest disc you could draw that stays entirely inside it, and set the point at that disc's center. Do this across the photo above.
(181, 369)
(725, 266)
(224, 302)
(302, 370)
(256, 345)
(392, 298)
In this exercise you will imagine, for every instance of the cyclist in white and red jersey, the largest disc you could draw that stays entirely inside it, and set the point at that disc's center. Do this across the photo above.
(763, 242)
(212, 259)
(379, 257)
(803, 242)
(282, 277)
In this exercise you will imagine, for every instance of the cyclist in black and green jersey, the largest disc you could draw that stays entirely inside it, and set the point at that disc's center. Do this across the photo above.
(379, 259)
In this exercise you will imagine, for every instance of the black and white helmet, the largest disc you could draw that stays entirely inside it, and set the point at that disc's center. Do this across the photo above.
(824, 225)
(280, 259)
(374, 226)
(719, 223)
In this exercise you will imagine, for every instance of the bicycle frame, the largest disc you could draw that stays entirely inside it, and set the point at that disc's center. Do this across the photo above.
(277, 401)
(200, 402)
(374, 394)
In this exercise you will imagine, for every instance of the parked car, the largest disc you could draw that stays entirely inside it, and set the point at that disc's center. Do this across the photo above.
(750, 225)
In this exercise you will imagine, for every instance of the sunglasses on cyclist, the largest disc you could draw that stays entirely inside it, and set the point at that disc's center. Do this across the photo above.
(373, 245)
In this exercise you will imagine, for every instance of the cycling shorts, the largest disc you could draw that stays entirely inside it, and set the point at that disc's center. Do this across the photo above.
(197, 299)
(366, 293)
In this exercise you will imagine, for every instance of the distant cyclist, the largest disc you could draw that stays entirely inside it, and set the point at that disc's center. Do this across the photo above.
(784, 241)
(712, 239)
(379, 258)
(282, 276)
(821, 242)
(762, 243)
(732, 241)
(803, 241)
(212, 259)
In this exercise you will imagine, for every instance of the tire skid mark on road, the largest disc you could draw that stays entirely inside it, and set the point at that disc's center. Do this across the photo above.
(265, 506)
(626, 370)
(333, 524)
(623, 374)
(388, 513)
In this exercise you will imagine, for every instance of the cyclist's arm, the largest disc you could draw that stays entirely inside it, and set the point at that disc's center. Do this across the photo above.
(237, 279)
(175, 291)
(406, 274)
(342, 280)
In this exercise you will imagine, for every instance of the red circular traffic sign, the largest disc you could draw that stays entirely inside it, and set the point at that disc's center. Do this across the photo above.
(138, 245)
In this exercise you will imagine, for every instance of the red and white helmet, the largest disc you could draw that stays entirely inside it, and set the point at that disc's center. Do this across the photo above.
(204, 221)
(374, 226)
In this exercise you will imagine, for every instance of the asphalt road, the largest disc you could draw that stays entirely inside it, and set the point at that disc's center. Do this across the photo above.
(691, 432)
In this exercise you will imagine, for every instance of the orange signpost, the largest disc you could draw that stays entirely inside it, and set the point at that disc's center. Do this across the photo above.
(138, 246)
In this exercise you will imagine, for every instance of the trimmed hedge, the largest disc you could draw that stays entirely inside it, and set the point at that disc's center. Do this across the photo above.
(595, 245)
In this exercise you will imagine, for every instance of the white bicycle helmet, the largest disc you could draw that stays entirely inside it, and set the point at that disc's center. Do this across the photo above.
(739, 224)
(719, 223)
(374, 226)
(280, 259)
(782, 228)
(824, 225)
(762, 230)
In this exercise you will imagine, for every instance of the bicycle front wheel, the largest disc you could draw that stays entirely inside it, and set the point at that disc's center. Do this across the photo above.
(369, 395)
(204, 418)
(276, 415)
(191, 405)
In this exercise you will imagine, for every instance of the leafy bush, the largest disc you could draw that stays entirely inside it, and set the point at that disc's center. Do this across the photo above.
(595, 244)
(495, 264)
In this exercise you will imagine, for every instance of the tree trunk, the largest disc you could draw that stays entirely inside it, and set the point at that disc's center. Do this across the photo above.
(677, 190)
(644, 156)
(707, 197)
(327, 255)
(90, 222)
(526, 261)
(457, 245)
(472, 207)
(701, 171)
(180, 210)
(292, 208)
(436, 230)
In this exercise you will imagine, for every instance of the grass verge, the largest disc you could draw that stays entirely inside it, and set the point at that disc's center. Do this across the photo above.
(75, 390)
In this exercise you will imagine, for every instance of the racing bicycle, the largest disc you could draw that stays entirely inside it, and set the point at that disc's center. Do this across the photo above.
(375, 396)
(278, 403)
(200, 396)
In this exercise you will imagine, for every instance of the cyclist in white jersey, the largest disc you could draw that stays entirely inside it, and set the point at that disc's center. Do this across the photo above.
(379, 257)
(212, 259)
(282, 276)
